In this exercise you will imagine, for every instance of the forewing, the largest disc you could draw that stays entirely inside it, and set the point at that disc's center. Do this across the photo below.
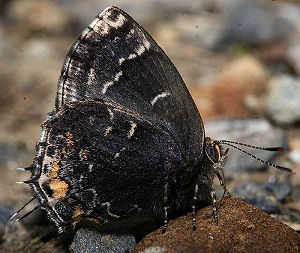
(115, 59)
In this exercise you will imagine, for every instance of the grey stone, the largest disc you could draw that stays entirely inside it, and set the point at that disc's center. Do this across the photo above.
(89, 241)
(256, 193)
(189, 6)
(296, 194)
(253, 22)
(279, 190)
(266, 204)
(295, 156)
(283, 100)
(251, 190)
(292, 55)
(257, 132)
(5, 214)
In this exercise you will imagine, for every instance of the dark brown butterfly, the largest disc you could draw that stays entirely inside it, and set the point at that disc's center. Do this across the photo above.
(125, 138)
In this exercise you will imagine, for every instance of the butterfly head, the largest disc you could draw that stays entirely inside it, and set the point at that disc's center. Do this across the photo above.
(213, 150)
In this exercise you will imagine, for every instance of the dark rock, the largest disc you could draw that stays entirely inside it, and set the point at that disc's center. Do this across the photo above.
(282, 100)
(90, 241)
(3, 7)
(242, 228)
(280, 190)
(5, 214)
(296, 193)
(251, 190)
(267, 205)
(257, 132)
(258, 195)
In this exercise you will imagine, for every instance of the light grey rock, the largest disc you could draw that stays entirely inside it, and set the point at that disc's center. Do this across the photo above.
(86, 241)
(295, 156)
(283, 100)
(257, 132)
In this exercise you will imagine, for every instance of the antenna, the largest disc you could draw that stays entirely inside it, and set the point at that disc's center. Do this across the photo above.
(251, 146)
(30, 212)
(16, 213)
(229, 143)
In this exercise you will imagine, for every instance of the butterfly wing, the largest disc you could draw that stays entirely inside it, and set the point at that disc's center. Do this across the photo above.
(116, 60)
(103, 162)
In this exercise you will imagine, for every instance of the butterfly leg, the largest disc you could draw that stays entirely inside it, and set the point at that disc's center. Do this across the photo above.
(194, 205)
(220, 179)
(165, 208)
(214, 202)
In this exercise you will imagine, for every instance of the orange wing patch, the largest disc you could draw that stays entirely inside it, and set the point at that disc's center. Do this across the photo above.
(78, 211)
(59, 187)
(69, 139)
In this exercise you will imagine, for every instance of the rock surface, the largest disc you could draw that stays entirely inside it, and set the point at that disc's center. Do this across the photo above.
(90, 241)
(242, 228)
(282, 100)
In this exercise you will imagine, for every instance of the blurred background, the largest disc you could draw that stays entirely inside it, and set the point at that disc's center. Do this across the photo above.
(239, 58)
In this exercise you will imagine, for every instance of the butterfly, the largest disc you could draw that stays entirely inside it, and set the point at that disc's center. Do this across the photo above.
(125, 138)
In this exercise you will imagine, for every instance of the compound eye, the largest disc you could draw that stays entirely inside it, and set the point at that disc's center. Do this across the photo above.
(213, 152)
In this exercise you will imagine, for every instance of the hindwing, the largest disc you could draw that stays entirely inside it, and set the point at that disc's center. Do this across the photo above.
(102, 162)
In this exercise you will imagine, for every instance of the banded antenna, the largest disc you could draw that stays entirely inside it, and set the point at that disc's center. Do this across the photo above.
(230, 143)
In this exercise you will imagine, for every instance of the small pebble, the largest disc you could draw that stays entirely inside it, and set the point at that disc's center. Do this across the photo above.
(295, 156)
(250, 226)
(282, 99)
(89, 242)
